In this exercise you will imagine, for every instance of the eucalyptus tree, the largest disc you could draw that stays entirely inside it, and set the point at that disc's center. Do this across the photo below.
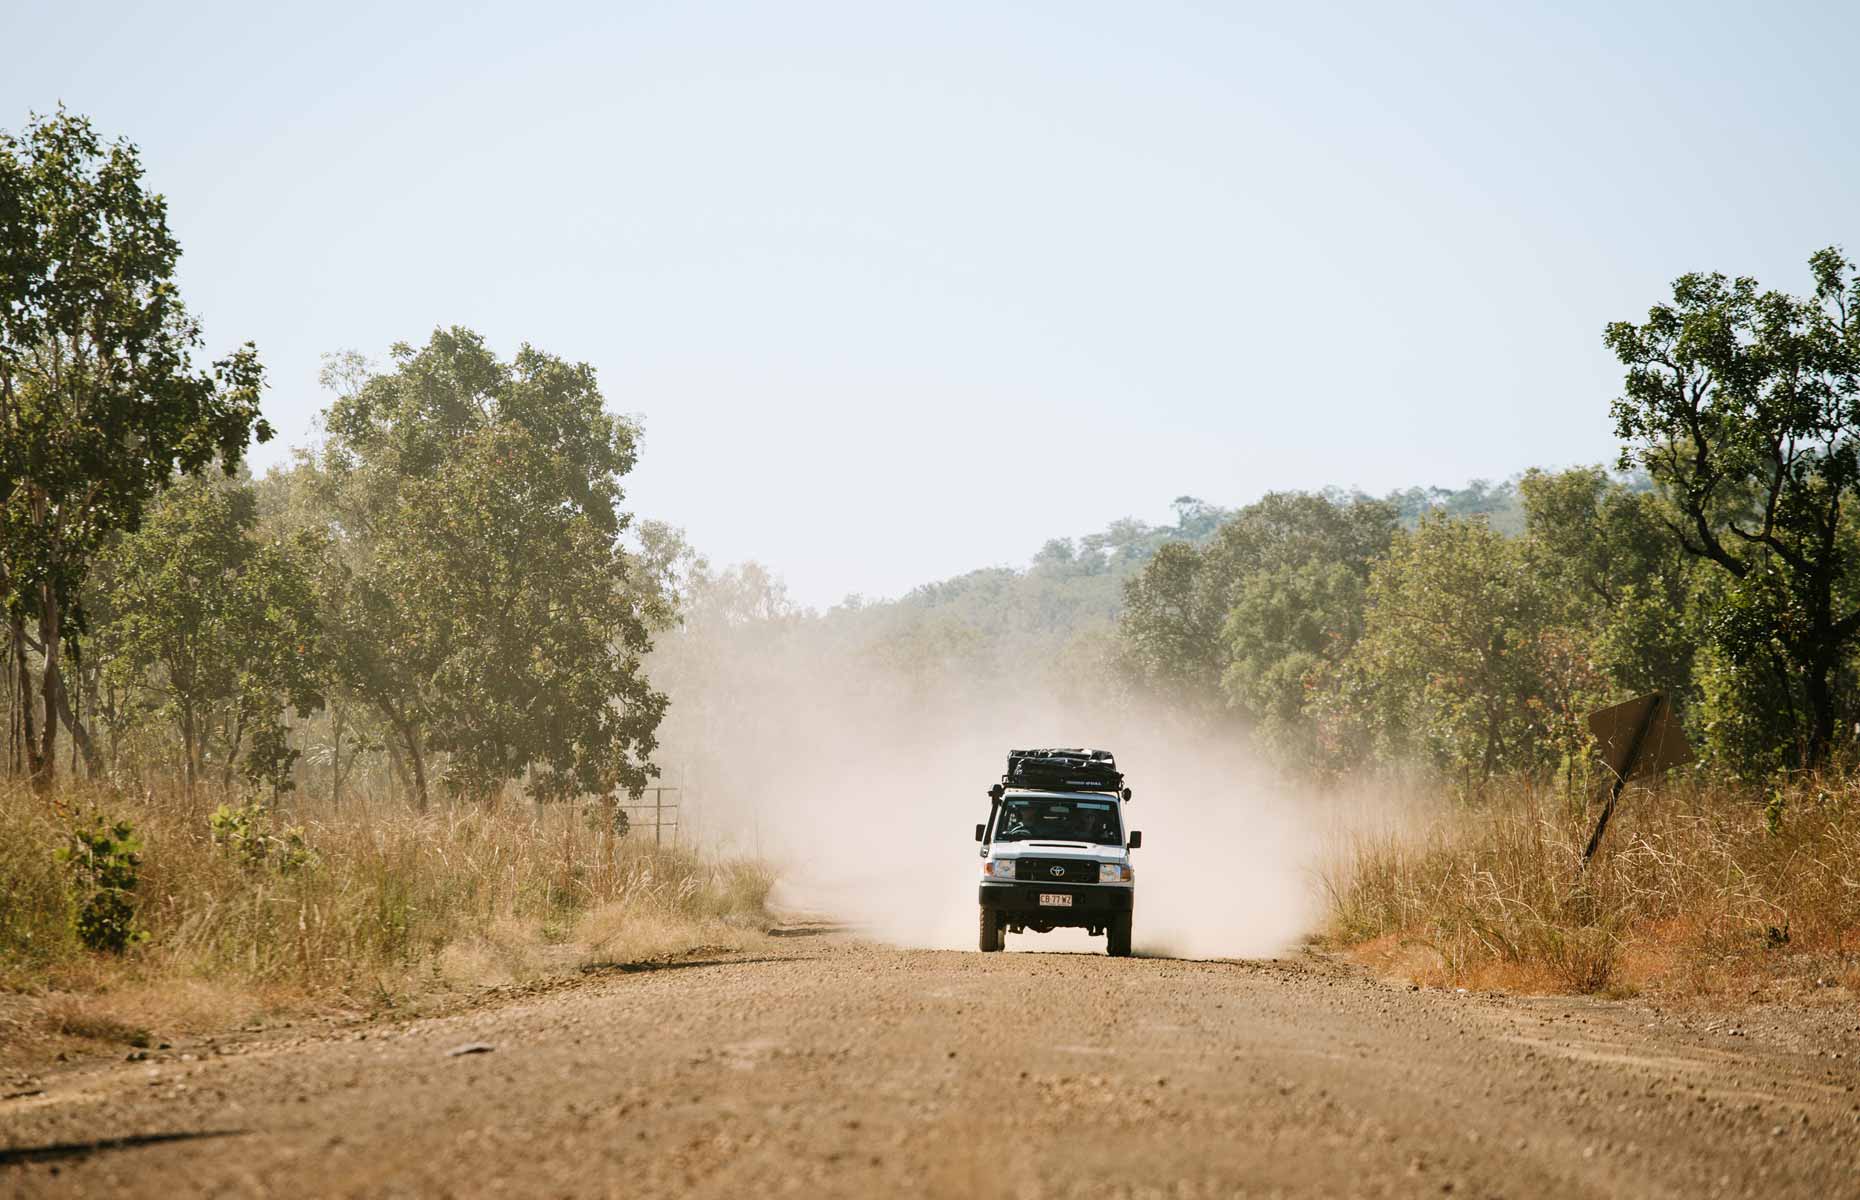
(215, 630)
(480, 597)
(1461, 663)
(1744, 406)
(100, 401)
(1617, 574)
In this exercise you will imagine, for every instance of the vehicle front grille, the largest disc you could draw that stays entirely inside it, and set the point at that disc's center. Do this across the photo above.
(1055, 870)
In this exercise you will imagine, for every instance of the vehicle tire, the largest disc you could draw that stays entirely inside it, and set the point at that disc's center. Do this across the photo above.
(992, 937)
(1117, 937)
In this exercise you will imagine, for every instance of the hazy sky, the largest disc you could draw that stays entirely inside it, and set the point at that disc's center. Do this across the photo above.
(903, 290)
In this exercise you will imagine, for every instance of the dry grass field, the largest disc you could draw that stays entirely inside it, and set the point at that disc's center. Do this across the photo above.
(366, 907)
(1697, 891)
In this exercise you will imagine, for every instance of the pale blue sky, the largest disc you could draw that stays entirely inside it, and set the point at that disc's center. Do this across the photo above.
(902, 290)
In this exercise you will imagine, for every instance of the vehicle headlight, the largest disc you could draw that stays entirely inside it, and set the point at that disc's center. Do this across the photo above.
(1115, 873)
(998, 868)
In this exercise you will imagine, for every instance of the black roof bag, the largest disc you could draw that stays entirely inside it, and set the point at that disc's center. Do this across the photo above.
(1064, 770)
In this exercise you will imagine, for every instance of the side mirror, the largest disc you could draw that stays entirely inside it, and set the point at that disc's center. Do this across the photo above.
(979, 829)
(1136, 838)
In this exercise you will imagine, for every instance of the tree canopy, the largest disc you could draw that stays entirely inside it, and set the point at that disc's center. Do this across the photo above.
(1239, 625)
(1744, 405)
(100, 401)
(480, 597)
(213, 629)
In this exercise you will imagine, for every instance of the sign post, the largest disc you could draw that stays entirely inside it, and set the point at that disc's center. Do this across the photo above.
(1640, 737)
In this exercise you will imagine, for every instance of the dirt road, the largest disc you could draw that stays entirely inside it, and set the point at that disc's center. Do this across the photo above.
(830, 1067)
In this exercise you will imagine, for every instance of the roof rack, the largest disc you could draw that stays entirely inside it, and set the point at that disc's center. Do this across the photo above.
(1063, 769)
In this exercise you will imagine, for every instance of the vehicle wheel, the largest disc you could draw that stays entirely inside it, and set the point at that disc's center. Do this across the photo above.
(992, 937)
(1117, 937)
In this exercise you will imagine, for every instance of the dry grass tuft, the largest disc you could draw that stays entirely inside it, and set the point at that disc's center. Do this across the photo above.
(78, 1016)
(1698, 890)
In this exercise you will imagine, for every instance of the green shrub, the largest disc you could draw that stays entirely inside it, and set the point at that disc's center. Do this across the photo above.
(105, 859)
(248, 833)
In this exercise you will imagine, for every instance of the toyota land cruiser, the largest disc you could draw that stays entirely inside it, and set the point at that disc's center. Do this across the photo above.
(1054, 849)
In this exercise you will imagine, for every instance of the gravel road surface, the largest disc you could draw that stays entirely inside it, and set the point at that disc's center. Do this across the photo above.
(826, 1066)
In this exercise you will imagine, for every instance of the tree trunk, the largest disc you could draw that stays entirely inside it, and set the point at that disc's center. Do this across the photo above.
(1821, 709)
(419, 768)
(190, 748)
(233, 741)
(397, 762)
(80, 736)
(41, 758)
(19, 696)
(110, 716)
(410, 738)
(1488, 762)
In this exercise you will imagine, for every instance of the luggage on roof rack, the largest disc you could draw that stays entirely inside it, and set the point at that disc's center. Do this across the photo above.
(1072, 770)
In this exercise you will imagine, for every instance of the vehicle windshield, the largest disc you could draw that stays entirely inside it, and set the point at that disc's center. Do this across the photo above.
(1058, 819)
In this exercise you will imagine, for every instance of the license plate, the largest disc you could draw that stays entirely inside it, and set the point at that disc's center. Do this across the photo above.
(1055, 900)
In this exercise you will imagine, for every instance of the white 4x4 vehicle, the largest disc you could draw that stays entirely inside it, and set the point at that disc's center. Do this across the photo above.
(1055, 853)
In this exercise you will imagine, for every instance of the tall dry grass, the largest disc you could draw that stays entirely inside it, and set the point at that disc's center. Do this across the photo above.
(1698, 889)
(373, 901)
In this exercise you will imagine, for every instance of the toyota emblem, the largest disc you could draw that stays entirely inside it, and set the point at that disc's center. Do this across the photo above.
(1059, 872)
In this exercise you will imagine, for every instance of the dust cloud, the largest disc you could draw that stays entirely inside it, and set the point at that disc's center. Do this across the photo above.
(863, 785)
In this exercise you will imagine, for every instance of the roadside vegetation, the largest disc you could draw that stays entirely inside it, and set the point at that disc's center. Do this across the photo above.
(350, 734)
(1703, 893)
(204, 918)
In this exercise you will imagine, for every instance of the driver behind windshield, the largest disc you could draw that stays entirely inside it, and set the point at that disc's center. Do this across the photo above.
(1058, 821)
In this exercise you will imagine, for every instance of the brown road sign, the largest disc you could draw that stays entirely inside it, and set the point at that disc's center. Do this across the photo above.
(1640, 737)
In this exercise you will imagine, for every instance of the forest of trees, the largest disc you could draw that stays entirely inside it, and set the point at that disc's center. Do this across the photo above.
(446, 592)
(1468, 632)
(441, 586)
(1723, 573)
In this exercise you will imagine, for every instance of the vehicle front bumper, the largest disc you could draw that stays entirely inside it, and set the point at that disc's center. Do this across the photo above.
(1092, 904)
